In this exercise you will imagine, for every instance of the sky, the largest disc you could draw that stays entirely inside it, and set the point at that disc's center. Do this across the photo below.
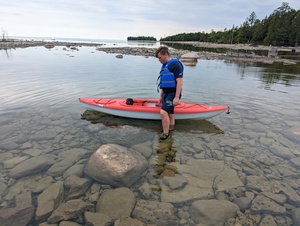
(118, 19)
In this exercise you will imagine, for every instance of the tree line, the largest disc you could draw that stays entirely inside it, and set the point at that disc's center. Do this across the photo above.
(281, 28)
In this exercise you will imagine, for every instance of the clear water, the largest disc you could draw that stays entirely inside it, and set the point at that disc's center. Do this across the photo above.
(40, 88)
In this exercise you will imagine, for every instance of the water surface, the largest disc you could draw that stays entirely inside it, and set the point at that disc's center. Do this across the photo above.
(39, 106)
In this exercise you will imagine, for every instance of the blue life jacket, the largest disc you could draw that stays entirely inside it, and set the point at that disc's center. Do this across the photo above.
(167, 78)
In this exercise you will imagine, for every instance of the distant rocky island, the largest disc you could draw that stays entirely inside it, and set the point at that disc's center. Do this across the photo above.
(141, 38)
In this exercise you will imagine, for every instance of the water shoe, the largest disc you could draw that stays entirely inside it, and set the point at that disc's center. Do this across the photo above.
(163, 137)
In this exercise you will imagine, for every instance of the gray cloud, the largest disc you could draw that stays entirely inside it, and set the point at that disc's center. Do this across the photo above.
(119, 19)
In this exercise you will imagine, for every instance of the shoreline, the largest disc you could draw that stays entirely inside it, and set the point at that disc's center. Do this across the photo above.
(232, 54)
(234, 46)
(13, 44)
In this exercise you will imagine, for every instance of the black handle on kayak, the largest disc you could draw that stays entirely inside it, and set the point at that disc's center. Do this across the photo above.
(228, 110)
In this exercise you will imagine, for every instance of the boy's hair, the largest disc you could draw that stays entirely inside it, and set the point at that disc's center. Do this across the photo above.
(163, 50)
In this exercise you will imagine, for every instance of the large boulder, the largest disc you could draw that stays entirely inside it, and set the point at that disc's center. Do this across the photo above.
(116, 165)
(189, 59)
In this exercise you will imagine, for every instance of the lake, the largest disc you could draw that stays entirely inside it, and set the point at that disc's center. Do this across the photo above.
(259, 140)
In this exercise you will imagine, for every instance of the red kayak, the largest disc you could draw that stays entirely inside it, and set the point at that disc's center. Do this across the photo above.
(149, 109)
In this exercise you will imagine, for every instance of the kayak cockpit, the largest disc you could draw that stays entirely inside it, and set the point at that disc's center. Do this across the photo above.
(139, 102)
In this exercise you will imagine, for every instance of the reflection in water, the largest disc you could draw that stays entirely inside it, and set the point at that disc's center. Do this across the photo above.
(274, 76)
(289, 55)
(269, 79)
(215, 50)
(143, 43)
(166, 154)
(197, 127)
(287, 75)
(195, 48)
(115, 121)
(192, 126)
(7, 52)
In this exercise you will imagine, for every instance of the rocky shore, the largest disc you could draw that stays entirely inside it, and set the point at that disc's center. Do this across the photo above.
(13, 44)
(190, 56)
(234, 52)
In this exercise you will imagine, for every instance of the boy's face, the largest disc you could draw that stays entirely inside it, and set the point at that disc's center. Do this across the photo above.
(162, 58)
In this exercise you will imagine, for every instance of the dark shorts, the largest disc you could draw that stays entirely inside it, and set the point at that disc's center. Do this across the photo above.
(167, 102)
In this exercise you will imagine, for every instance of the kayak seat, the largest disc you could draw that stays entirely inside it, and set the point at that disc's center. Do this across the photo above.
(129, 101)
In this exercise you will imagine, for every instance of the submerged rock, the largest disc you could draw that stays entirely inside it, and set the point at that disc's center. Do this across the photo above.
(213, 212)
(77, 186)
(153, 212)
(70, 210)
(292, 134)
(32, 166)
(68, 158)
(262, 204)
(16, 216)
(92, 218)
(125, 221)
(296, 216)
(116, 203)
(49, 200)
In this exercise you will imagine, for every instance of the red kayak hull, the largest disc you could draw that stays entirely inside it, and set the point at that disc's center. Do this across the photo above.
(150, 109)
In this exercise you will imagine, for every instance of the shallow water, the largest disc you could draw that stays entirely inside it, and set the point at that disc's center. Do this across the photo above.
(39, 106)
